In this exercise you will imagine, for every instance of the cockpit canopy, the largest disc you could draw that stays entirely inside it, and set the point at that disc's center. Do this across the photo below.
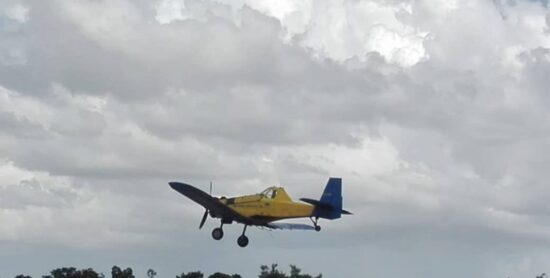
(269, 193)
(275, 193)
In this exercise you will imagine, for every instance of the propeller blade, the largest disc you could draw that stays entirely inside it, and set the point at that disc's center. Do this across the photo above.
(203, 219)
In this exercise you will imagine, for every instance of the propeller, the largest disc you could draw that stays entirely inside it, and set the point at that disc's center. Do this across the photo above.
(205, 215)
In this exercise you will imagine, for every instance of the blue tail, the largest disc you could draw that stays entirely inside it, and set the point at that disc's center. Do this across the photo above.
(330, 204)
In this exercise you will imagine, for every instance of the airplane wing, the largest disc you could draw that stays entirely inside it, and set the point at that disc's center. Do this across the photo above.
(290, 226)
(210, 203)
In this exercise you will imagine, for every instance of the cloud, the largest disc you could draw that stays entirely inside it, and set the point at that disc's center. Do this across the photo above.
(432, 112)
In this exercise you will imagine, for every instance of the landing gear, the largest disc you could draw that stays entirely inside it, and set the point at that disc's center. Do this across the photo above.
(242, 241)
(317, 227)
(217, 233)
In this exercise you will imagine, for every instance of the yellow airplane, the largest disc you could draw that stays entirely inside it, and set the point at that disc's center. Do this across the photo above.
(264, 208)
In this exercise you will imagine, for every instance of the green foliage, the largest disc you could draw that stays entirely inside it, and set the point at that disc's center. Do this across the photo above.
(223, 275)
(71, 272)
(116, 272)
(295, 272)
(195, 274)
(271, 273)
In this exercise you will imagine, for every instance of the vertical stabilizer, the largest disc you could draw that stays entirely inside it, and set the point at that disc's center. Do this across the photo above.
(332, 195)
(331, 201)
(330, 204)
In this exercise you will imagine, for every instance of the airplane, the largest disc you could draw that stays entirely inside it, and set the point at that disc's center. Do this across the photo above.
(266, 207)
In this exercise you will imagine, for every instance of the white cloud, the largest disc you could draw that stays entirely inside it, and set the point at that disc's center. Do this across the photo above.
(16, 11)
(13, 15)
(169, 10)
(24, 108)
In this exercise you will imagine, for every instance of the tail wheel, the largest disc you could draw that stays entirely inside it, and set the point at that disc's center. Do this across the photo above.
(317, 227)
(217, 233)
(242, 241)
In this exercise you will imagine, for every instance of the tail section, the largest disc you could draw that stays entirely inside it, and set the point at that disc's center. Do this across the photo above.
(332, 195)
(330, 204)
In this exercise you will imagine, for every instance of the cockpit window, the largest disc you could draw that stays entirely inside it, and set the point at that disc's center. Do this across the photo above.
(269, 193)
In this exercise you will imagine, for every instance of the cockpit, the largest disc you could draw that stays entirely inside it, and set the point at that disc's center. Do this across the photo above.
(269, 193)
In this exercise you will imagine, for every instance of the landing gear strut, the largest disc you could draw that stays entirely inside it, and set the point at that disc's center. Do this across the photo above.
(217, 233)
(242, 241)
(317, 227)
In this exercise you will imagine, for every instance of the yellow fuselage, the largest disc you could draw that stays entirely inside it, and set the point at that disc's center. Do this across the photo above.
(274, 203)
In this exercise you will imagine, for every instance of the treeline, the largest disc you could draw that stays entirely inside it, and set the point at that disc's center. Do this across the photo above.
(117, 272)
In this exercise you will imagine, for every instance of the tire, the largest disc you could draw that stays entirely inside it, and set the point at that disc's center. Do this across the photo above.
(242, 241)
(217, 233)
(317, 228)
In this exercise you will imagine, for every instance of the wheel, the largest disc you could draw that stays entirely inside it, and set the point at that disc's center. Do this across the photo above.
(242, 241)
(217, 233)
(317, 228)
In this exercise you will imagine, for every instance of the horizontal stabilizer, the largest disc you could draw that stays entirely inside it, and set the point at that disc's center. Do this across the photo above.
(316, 203)
(291, 226)
(323, 205)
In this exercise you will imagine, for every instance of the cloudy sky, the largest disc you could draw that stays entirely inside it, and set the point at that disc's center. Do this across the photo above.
(435, 114)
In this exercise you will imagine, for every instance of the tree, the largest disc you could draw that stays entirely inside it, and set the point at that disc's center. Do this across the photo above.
(116, 272)
(195, 274)
(295, 273)
(151, 273)
(223, 275)
(71, 272)
(273, 273)
(64, 272)
(23, 276)
(88, 273)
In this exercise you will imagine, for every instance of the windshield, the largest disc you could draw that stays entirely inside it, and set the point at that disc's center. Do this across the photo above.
(269, 193)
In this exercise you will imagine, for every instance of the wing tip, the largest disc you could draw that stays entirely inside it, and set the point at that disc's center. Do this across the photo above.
(179, 186)
(174, 184)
